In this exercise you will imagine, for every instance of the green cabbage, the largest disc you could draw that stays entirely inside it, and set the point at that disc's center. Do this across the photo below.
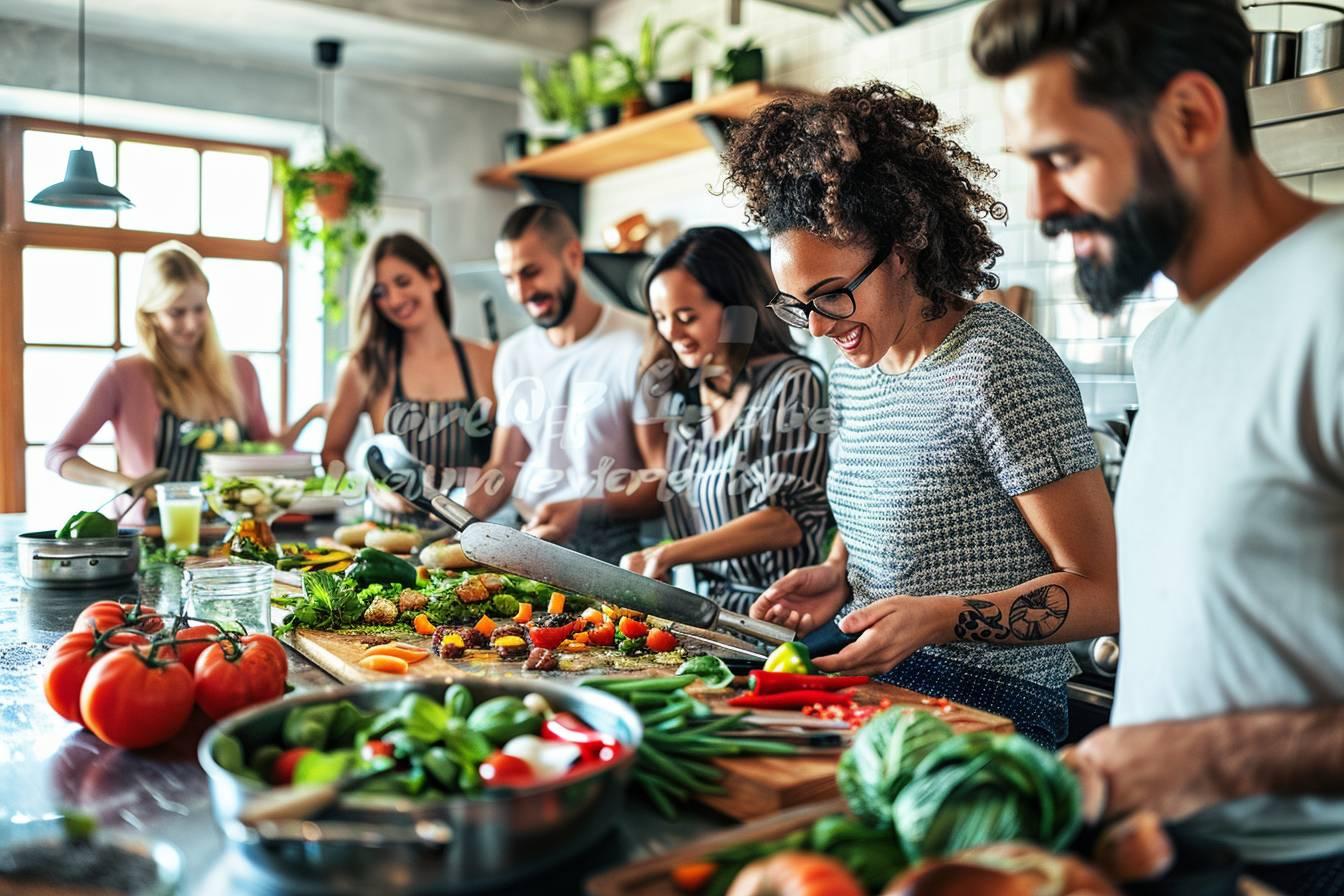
(880, 762)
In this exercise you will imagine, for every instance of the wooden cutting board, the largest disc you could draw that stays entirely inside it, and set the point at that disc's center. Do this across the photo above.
(756, 786)
(763, 785)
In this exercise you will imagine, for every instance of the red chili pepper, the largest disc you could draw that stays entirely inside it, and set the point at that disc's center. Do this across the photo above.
(594, 746)
(791, 699)
(763, 682)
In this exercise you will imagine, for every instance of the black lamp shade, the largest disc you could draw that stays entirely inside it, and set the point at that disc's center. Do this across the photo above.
(81, 187)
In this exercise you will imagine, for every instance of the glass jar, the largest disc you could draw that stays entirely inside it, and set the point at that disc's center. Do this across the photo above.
(230, 592)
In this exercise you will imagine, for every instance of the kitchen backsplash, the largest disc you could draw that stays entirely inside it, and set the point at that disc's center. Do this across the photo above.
(928, 57)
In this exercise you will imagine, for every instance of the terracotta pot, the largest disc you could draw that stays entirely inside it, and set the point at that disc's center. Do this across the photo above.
(634, 106)
(331, 193)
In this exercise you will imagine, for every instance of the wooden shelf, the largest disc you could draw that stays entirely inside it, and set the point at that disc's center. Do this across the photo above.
(646, 138)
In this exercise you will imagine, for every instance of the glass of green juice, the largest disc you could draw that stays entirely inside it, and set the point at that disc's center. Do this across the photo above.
(180, 514)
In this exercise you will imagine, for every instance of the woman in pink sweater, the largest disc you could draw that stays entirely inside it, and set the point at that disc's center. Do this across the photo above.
(180, 380)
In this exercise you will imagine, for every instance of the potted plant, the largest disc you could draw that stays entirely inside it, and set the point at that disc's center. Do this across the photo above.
(599, 78)
(742, 64)
(643, 69)
(344, 188)
(554, 95)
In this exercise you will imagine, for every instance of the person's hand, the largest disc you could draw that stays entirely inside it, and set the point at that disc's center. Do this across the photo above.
(556, 521)
(804, 599)
(889, 630)
(1185, 781)
(653, 562)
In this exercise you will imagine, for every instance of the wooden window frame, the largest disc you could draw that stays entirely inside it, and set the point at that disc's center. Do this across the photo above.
(16, 234)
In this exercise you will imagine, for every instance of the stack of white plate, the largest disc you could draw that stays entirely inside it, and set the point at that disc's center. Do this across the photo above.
(290, 466)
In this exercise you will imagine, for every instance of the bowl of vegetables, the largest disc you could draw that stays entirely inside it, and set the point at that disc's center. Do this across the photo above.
(444, 788)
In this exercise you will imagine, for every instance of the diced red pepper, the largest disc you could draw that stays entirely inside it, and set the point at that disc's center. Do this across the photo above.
(633, 628)
(791, 699)
(763, 682)
(594, 746)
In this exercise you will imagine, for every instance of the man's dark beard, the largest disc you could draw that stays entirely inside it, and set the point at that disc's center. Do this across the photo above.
(564, 304)
(1144, 236)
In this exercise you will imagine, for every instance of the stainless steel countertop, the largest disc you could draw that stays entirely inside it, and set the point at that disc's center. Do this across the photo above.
(50, 764)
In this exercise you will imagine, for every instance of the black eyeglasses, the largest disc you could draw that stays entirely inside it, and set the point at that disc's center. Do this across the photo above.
(837, 304)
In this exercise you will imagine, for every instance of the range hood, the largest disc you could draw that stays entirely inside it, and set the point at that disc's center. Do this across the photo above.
(873, 16)
(1298, 124)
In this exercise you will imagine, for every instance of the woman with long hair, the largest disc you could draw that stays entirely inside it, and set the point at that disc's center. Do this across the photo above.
(178, 395)
(975, 531)
(743, 484)
(410, 374)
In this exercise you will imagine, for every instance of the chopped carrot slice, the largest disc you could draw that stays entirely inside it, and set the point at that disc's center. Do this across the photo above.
(401, 651)
(423, 626)
(392, 664)
(485, 625)
(693, 876)
(557, 604)
(581, 637)
(524, 613)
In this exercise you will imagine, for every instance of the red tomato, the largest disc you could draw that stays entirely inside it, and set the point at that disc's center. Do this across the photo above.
(106, 614)
(229, 678)
(130, 702)
(68, 663)
(375, 748)
(549, 637)
(271, 646)
(661, 640)
(282, 770)
(187, 654)
(502, 770)
(602, 635)
(633, 628)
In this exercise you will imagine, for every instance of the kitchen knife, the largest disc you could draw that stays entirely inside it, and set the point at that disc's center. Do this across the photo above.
(517, 552)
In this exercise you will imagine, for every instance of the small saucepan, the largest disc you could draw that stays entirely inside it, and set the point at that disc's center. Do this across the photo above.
(48, 561)
(1320, 47)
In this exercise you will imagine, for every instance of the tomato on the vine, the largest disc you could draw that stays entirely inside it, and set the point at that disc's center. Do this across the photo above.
(189, 653)
(231, 675)
(106, 614)
(68, 663)
(136, 698)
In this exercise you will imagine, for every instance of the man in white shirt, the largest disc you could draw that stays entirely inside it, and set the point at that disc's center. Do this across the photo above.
(1229, 709)
(567, 393)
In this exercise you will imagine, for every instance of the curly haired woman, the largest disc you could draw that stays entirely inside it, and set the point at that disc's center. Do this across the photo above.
(975, 532)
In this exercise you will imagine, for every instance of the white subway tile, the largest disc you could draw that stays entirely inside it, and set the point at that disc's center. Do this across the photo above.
(1328, 186)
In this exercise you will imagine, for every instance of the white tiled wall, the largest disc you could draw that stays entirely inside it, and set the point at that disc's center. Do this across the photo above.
(928, 57)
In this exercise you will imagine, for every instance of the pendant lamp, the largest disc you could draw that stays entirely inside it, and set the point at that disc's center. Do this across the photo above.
(81, 187)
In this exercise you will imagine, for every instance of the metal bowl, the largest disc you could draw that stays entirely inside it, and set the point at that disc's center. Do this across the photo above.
(45, 559)
(457, 844)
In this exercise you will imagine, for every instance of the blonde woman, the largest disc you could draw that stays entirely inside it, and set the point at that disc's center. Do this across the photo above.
(410, 374)
(180, 380)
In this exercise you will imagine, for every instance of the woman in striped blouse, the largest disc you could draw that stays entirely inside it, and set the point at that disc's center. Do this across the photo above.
(744, 493)
(975, 529)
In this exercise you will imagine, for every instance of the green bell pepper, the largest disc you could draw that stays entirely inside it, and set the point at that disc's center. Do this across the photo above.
(792, 657)
(501, 719)
(375, 567)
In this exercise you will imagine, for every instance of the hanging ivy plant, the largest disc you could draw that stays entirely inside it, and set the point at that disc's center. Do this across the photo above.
(343, 188)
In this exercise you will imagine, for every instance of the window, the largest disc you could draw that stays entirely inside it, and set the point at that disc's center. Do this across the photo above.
(69, 279)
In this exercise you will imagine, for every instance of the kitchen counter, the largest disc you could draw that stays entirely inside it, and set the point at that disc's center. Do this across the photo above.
(51, 764)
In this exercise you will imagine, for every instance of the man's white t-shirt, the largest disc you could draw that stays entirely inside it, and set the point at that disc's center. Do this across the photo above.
(1230, 519)
(575, 405)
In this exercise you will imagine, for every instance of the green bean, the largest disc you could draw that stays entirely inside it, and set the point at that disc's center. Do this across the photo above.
(666, 787)
(662, 715)
(747, 745)
(659, 800)
(644, 699)
(719, 724)
(702, 770)
(641, 685)
(667, 766)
